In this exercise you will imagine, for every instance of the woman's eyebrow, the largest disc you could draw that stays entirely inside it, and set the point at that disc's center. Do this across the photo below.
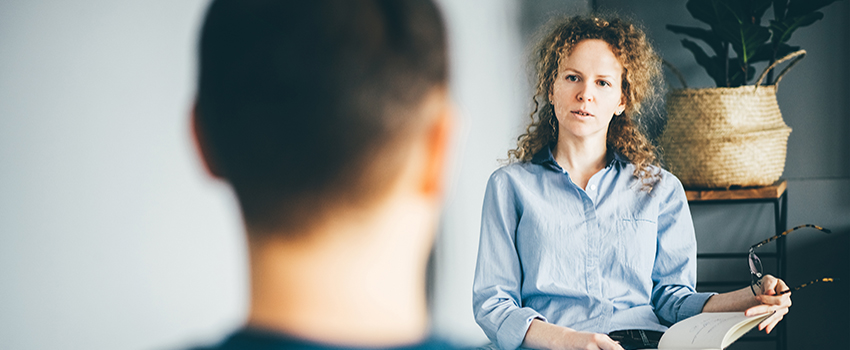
(576, 71)
(572, 70)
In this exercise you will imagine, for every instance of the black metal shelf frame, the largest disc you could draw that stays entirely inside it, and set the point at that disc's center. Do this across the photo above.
(780, 215)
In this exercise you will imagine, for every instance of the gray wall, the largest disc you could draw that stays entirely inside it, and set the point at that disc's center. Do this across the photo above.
(815, 101)
(112, 236)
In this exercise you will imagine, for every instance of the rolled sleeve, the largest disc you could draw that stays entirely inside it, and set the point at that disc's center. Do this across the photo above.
(674, 296)
(513, 329)
(693, 304)
(498, 273)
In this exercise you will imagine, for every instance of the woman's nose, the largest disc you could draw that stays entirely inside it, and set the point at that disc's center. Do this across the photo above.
(584, 95)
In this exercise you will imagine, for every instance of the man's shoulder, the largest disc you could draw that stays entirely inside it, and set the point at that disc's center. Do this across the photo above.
(252, 339)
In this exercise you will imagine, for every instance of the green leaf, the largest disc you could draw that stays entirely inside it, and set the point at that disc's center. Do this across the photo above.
(779, 7)
(733, 10)
(711, 66)
(737, 77)
(757, 9)
(713, 12)
(784, 49)
(744, 37)
(734, 24)
(708, 36)
(799, 8)
(782, 30)
(707, 11)
(769, 53)
(751, 72)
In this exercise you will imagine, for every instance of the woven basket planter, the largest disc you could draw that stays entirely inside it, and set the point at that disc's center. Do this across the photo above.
(725, 137)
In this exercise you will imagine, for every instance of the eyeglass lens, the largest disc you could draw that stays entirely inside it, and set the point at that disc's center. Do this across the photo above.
(755, 265)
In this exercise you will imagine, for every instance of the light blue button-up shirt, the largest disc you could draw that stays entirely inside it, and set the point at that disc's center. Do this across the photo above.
(603, 259)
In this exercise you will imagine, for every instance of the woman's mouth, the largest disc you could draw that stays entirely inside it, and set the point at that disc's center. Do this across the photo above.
(582, 113)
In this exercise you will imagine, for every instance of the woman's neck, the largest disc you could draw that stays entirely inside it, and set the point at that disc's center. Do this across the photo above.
(580, 158)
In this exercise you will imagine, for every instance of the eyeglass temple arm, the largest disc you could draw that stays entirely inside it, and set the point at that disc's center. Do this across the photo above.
(825, 279)
(759, 244)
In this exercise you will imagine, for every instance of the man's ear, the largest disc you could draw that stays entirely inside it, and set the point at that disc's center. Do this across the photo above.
(438, 139)
(202, 145)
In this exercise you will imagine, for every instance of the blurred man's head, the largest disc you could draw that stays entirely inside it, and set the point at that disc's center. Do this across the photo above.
(307, 108)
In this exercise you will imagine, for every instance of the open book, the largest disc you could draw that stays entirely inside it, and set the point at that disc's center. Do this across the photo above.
(709, 330)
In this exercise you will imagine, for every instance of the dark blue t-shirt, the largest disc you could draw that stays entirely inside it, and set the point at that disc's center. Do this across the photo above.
(255, 339)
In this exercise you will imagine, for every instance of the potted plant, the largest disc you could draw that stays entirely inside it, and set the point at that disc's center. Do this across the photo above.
(733, 134)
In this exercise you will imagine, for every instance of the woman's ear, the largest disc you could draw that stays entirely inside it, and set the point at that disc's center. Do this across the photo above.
(202, 145)
(551, 95)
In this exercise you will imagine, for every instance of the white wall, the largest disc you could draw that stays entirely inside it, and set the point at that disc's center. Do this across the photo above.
(111, 235)
(488, 85)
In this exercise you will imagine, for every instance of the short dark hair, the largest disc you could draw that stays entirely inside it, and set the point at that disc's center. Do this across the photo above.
(305, 105)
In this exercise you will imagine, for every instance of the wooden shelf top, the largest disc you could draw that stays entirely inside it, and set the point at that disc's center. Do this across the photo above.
(766, 192)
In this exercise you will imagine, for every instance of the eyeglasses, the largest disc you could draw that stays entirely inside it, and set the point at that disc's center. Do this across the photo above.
(825, 279)
(756, 267)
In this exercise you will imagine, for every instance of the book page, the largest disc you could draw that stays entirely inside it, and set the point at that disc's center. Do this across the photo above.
(714, 330)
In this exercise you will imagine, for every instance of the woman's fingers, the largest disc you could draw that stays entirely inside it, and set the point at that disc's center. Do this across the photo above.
(769, 323)
(769, 284)
(596, 341)
(604, 342)
(771, 293)
(773, 300)
(772, 285)
(783, 300)
(760, 309)
(609, 345)
(769, 327)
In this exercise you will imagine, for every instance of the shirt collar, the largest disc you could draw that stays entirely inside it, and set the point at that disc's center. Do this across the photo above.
(544, 157)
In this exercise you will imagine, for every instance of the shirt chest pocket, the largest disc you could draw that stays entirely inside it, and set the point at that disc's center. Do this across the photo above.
(637, 243)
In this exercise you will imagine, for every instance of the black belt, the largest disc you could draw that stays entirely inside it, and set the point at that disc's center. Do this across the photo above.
(631, 339)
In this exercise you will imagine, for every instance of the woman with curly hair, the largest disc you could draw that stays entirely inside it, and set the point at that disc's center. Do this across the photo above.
(583, 234)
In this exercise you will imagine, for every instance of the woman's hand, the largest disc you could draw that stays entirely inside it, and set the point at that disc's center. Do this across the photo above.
(767, 300)
(770, 300)
(542, 335)
(589, 341)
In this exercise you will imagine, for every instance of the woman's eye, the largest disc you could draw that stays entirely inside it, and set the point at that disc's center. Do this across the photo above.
(604, 83)
(572, 78)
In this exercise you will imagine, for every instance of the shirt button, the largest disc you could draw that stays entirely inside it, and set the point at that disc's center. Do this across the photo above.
(593, 187)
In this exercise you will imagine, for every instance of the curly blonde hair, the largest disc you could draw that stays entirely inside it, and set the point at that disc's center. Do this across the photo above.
(641, 88)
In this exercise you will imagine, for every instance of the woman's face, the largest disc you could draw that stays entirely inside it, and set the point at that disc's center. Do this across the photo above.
(587, 91)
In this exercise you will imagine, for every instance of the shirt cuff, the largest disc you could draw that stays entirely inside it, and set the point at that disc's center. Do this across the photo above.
(512, 331)
(692, 305)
